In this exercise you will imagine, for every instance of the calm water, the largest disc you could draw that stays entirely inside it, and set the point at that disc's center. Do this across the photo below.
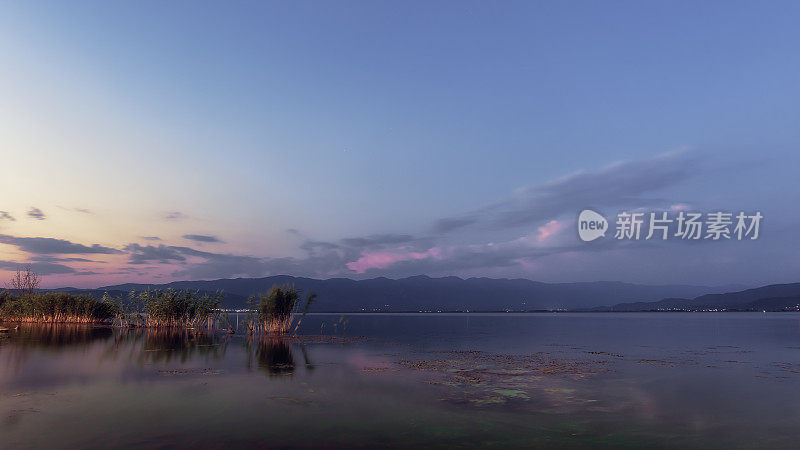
(469, 380)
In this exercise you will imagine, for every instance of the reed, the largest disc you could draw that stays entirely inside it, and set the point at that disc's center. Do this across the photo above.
(4, 297)
(276, 311)
(155, 308)
(55, 307)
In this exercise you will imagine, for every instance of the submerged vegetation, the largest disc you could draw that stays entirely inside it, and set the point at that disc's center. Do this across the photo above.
(276, 311)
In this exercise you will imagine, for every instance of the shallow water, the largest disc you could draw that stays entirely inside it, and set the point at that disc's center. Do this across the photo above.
(411, 380)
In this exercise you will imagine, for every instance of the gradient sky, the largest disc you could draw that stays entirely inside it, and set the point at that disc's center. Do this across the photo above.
(156, 141)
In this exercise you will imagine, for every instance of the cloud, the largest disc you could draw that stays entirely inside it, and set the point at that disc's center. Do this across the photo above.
(151, 238)
(377, 240)
(175, 215)
(39, 245)
(519, 234)
(543, 206)
(549, 229)
(622, 183)
(200, 264)
(41, 268)
(453, 223)
(163, 254)
(356, 245)
(201, 238)
(215, 265)
(4, 215)
(49, 258)
(314, 246)
(383, 259)
(76, 209)
(36, 213)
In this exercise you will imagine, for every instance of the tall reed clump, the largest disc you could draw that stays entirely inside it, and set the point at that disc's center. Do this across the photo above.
(4, 297)
(170, 308)
(55, 307)
(275, 312)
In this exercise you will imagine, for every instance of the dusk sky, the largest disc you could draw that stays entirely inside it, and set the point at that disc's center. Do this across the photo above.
(160, 141)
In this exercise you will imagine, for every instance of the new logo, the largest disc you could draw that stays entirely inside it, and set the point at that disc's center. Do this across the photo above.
(591, 225)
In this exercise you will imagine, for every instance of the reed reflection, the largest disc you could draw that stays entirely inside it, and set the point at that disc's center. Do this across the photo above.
(168, 345)
(22, 340)
(54, 336)
(275, 356)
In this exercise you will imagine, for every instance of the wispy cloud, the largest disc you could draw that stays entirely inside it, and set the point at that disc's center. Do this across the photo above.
(201, 238)
(75, 209)
(548, 230)
(163, 254)
(4, 215)
(41, 268)
(622, 183)
(50, 258)
(40, 245)
(448, 224)
(202, 264)
(36, 213)
(377, 240)
(382, 259)
(175, 215)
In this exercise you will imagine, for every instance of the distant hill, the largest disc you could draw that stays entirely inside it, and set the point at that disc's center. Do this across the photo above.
(774, 297)
(423, 293)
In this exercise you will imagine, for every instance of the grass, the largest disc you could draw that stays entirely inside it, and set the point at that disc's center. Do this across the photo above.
(276, 311)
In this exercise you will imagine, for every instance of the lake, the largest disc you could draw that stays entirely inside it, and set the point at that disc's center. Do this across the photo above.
(412, 380)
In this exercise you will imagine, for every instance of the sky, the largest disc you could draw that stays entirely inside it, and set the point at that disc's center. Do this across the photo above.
(157, 141)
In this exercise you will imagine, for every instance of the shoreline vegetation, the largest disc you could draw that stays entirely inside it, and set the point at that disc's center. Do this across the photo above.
(271, 313)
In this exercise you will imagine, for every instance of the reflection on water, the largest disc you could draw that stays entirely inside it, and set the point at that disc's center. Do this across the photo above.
(410, 381)
(54, 336)
(275, 355)
(165, 345)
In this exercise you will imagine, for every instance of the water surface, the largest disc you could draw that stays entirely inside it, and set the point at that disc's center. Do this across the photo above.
(411, 380)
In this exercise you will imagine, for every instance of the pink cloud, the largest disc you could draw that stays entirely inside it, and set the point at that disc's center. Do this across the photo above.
(679, 207)
(549, 229)
(383, 259)
(526, 264)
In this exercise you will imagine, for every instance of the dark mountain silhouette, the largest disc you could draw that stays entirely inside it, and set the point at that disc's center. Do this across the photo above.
(774, 297)
(423, 293)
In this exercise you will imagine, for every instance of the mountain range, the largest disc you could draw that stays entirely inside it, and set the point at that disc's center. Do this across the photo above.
(774, 297)
(423, 293)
